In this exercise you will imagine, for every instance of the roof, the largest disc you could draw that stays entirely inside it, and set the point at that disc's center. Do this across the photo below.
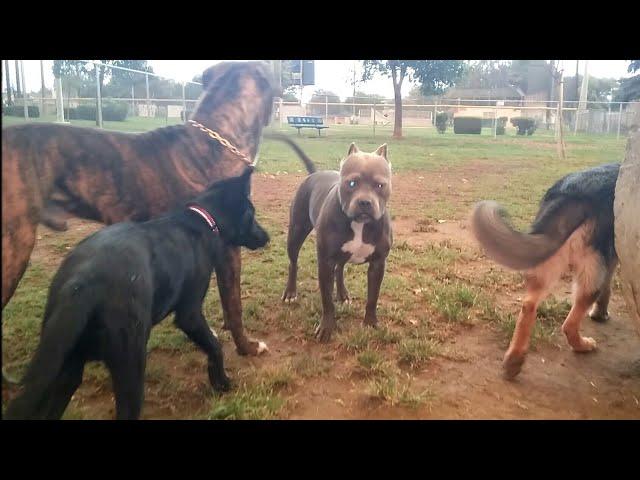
(482, 93)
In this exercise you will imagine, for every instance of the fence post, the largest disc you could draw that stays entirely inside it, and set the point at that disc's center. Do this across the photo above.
(619, 120)
(184, 104)
(99, 97)
(374, 117)
(609, 118)
(59, 101)
(435, 112)
(41, 88)
(280, 113)
(146, 77)
(133, 101)
(495, 121)
(326, 108)
(24, 91)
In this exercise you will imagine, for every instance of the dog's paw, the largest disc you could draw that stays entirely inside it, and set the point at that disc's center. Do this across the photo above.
(289, 297)
(370, 322)
(262, 347)
(597, 315)
(323, 332)
(586, 344)
(512, 365)
(222, 385)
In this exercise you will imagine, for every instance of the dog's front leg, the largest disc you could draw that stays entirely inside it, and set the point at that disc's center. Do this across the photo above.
(326, 276)
(228, 278)
(375, 274)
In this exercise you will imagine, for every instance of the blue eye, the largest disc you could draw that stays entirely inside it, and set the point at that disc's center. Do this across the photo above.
(352, 183)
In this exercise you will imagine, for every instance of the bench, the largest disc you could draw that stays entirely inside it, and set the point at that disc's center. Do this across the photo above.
(306, 122)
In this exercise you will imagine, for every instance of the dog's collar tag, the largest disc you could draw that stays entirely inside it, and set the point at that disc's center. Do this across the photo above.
(204, 214)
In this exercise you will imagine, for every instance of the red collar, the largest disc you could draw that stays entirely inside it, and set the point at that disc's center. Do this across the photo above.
(194, 207)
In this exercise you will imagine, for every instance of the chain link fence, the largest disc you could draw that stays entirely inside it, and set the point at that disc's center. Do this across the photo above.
(144, 100)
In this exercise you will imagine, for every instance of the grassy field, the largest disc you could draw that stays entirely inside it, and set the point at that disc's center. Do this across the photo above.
(438, 296)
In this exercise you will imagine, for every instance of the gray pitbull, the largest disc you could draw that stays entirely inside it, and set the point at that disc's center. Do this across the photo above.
(348, 211)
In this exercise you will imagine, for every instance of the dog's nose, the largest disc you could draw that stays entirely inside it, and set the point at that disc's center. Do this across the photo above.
(364, 203)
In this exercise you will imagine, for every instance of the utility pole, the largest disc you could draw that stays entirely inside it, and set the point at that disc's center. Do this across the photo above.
(18, 79)
(41, 88)
(7, 79)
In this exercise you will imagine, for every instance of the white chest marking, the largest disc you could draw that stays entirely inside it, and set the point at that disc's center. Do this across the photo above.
(357, 248)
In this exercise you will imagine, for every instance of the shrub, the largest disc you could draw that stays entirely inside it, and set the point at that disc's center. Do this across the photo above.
(467, 125)
(114, 112)
(524, 125)
(18, 111)
(441, 121)
(500, 127)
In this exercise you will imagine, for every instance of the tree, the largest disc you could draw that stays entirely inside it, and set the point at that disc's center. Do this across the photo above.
(486, 74)
(630, 87)
(434, 76)
(320, 96)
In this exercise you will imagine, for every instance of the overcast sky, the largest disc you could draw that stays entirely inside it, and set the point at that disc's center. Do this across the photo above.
(333, 75)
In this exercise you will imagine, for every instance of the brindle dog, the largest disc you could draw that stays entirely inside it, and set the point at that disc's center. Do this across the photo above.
(50, 172)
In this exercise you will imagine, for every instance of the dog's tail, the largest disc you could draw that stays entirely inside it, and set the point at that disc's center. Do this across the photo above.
(556, 221)
(308, 163)
(60, 334)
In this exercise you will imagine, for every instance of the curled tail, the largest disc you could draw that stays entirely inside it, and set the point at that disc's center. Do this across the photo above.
(59, 336)
(556, 221)
(308, 163)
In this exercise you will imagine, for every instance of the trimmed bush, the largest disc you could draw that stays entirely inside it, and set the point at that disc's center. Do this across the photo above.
(524, 125)
(441, 121)
(471, 125)
(500, 128)
(113, 112)
(18, 111)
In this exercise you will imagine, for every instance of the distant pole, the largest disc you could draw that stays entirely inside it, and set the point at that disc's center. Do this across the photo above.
(354, 91)
(609, 118)
(561, 146)
(98, 97)
(7, 80)
(495, 121)
(146, 78)
(326, 108)
(301, 66)
(374, 117)
(619, 121)
(57, 82)
(24, 92)
(18, 87)
(280, 113)
(184, 103)
(133, 101)
(41, 88)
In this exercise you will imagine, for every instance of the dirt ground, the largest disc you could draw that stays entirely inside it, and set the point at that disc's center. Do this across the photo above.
(555, 382)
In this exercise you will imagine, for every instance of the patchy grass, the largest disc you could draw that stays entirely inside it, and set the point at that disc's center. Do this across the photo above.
(430, 292)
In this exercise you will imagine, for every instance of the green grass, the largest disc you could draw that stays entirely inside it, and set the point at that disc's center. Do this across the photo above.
(426, 294)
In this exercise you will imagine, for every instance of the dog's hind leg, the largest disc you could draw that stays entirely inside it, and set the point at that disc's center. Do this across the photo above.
(126, 359)
(299, 229)
(194, 325)
(537, 283)
(600, 310)
(590, 282)
(65, 386)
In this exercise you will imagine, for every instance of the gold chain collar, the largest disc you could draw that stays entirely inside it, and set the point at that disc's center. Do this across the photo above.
(223, 141)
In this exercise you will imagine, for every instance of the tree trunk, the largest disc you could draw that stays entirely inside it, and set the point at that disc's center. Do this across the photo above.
(41, 88)
(18, 89)
(7, 80)
(627, 223)
(397, 96)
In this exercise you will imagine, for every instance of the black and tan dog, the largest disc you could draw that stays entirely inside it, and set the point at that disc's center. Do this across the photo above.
(120, 282)
(573, 231)
(348, 210)
(50, 171)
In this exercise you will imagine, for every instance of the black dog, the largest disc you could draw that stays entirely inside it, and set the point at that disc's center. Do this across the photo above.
(573, 231)
(120, 282)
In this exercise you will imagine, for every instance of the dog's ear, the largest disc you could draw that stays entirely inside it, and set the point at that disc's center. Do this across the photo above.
(353, 149)
(211, 74)
(382, 151)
